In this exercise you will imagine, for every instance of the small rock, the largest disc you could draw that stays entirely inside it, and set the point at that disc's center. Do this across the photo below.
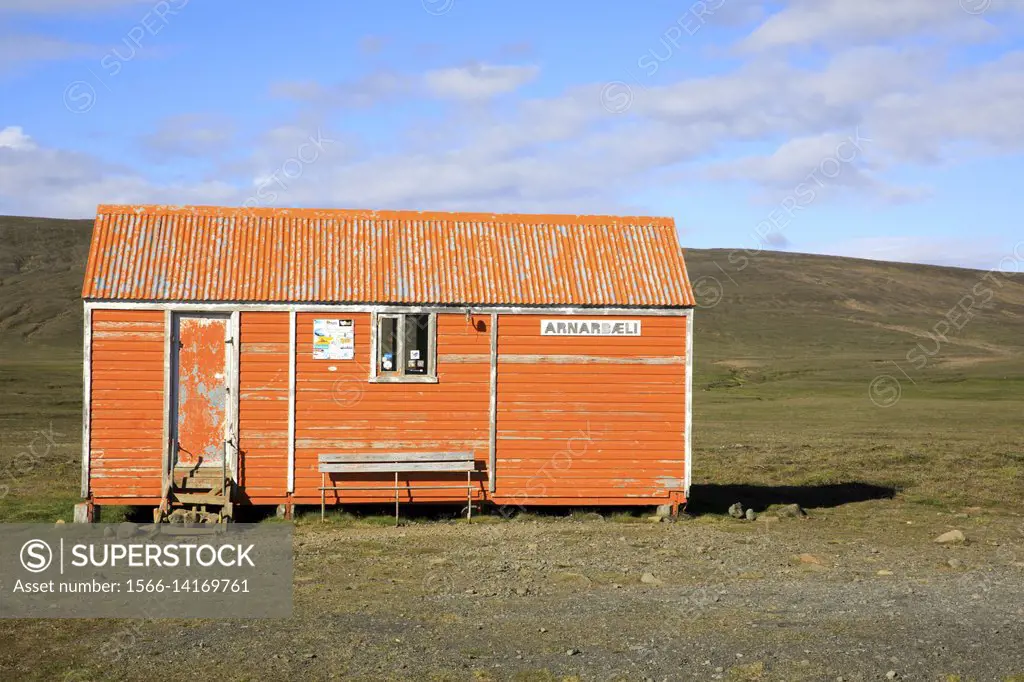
(573, 652)
(891, 675)
(955, 564)
(809, 559)
(791, 511)
(953, 537)
(649, 579)
(736, 511)
(664, 510)
(884, 572)
(751, 515)
(59, 522)
(310, 656)
(125, 530)
(542, 630)
(522, 591)
(108, 532)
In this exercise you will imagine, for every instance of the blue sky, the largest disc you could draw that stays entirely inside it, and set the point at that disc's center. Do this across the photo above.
(888, 129)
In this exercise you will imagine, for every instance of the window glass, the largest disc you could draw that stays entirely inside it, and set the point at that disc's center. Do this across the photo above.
(388, 335)
(417, 334)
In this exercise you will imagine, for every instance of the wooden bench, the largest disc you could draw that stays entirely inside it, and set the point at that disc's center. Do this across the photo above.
(396, 463)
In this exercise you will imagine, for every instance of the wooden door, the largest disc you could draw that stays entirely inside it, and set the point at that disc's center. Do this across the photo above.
(202, 419)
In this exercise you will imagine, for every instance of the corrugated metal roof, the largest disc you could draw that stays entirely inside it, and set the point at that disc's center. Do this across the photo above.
(203, 253)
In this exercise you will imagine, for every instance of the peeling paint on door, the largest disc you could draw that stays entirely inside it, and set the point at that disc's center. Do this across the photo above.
(202, 406)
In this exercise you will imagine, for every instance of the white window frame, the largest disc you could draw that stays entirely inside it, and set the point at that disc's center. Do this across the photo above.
(400, 377)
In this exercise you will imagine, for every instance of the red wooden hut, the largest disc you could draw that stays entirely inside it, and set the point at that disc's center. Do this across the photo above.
(301, 356)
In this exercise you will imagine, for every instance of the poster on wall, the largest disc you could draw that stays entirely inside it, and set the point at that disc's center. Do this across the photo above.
(333, 340)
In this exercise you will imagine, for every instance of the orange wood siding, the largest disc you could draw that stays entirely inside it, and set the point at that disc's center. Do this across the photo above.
(263, 404)
(594, 418)
(340, 410)
(126, 419)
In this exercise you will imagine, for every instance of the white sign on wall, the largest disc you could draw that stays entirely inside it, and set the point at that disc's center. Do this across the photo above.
(333, 340)
(574, 327)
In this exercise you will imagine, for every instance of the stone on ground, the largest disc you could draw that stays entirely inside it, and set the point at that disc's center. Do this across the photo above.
(953, 537)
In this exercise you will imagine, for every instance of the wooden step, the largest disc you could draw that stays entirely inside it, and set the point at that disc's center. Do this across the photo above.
(186, 482)
(200, 498)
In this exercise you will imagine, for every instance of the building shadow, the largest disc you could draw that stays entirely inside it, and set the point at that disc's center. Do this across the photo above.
(716, 499)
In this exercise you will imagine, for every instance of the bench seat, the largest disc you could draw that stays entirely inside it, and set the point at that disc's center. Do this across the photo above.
(396, 463)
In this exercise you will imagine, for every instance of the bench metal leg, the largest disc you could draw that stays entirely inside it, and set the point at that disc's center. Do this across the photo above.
(469, 497)
(323, 497)
(396, 499)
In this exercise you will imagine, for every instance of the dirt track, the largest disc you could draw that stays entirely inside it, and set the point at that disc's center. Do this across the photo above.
(707, 598)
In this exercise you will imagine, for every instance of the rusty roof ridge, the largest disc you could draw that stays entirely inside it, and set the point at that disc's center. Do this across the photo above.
(550, 220)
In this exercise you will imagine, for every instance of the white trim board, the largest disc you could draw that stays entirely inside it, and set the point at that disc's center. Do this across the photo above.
(86, 398)
(492, 439)
(235, 326)
(688, 447)
(291, 400)
(167, 430)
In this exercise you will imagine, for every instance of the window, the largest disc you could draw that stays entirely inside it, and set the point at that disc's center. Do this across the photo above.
(405, 347)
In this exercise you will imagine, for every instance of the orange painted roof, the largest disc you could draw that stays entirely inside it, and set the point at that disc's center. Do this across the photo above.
(204, 253)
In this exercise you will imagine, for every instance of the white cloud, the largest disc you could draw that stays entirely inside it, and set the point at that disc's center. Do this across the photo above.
(370, 90)
(830, 23)
(831, 157)
(466, 83)
(981, 107)
(190, 135)
(974, 253)
(13, 137)
(770, 96)
(477, 81)
(37, 180)
(373, 44)
(16, 50)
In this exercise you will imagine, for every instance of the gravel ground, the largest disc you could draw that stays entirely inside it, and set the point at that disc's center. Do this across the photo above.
(859, 594)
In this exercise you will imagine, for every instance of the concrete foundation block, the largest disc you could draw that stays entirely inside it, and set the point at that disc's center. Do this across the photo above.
(86, 512)
(664, 511)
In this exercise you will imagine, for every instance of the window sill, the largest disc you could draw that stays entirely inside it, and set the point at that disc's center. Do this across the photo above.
(403, 380)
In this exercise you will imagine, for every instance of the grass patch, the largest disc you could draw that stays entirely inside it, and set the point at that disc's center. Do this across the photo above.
(38, 509)
(627, 517)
